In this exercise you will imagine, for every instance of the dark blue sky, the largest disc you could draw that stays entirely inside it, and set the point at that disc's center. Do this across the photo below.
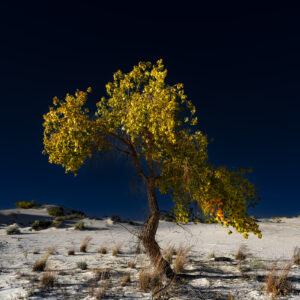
(239, 65)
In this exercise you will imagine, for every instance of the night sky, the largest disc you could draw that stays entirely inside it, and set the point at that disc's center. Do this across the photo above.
(239, 66)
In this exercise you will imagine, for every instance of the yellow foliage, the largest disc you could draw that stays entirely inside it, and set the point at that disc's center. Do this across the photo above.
(149, 120)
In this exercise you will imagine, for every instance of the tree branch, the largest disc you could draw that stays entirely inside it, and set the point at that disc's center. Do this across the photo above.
(132, 153)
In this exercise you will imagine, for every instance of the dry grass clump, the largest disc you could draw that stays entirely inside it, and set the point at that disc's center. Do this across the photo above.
(84, 244)
(116, 250)
(241, 253)
(279, 285)
(102, 274)
(144, 279)
(102, 291)
(125, 279)
(131, 264)
(48, 280)
(230, 297)
(181, 258)
(40, 265)
(296, 256)
(168, 253)
(102, 250)
(149, 279)
(212, 255)
(71, 251)
(50, 250)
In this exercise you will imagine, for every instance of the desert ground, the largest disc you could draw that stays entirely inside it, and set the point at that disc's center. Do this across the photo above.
(211, 269)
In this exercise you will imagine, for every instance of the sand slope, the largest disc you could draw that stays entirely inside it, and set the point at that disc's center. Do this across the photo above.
(211, 279)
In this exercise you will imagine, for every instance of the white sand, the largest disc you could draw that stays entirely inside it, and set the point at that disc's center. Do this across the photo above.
(212, 279)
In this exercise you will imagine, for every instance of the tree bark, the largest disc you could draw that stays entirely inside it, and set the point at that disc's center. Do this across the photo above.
(149, 232)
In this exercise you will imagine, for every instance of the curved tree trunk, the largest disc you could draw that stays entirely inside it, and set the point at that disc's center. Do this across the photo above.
(149, 232)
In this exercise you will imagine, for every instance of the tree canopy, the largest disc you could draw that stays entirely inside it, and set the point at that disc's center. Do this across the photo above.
(155, 125)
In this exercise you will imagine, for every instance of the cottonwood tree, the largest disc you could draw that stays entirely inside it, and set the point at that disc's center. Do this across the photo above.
(154, 125)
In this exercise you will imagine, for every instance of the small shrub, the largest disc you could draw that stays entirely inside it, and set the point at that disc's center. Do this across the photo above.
(48, 280)
(56, 224)
(74, 216)
(26, 204)
(102, 250)
(40, 265)
(71, 251)
(115, 219)
(241, 253)
(125, 279)
(84, 244)
(13, 229)
(56, 211)
(79, 226)
(296, 256)
(279, 285)
(116, 250)
(40, 225)
(82, 265)
(181, 259)
(256, 263)
(78, 213)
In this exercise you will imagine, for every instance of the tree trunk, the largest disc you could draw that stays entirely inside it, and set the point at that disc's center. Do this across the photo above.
(149, 232)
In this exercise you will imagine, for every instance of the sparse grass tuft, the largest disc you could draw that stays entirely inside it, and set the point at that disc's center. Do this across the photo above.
(116, 250)
(102, 274)
(14, 229)
(144, 279)
(241, 253)
(296, 256)
(212, 255)
(149, 279)
(71, 251)
(82, 265)
(181, 257)
(48, 280)
(230, 297)
(125, 279)
(79, 226)
(84, 244)
(102, 291)
(40, 265)
(168, 254)
(279, 285)
(102, 250)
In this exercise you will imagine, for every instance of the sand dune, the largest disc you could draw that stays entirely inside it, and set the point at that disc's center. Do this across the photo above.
(208, 278)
